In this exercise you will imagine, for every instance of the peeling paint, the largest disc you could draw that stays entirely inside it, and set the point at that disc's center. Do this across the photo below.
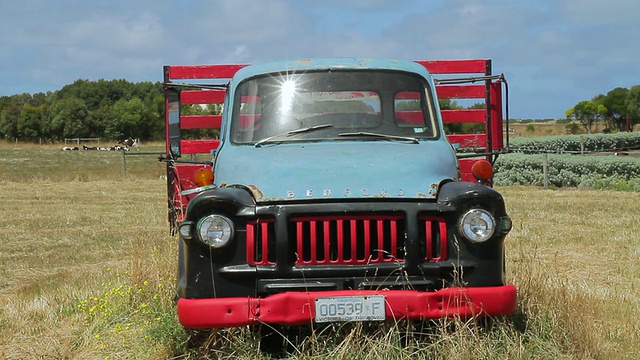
(433, 189)
(257, 194)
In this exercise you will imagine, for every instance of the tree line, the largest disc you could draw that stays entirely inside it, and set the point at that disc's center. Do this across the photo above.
(111, 109)
(619, 109)
(116, 109)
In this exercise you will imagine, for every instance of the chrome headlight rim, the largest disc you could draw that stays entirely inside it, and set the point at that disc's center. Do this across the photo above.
(215, 230)
(477, 225)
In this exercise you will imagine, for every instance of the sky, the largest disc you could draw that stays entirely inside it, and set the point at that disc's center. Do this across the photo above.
(553, 53)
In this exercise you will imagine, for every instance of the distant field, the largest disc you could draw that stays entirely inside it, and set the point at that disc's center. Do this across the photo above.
(536, 129)
(549, 128)
(29, 162)
(87, 271)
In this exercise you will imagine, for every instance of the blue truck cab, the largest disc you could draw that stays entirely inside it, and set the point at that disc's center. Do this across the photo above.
(332, 193)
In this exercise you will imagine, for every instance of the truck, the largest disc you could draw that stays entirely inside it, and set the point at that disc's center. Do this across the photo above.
(316, 191)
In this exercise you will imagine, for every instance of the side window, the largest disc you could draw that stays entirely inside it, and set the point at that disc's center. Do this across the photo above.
(407, 109)
(249, 120)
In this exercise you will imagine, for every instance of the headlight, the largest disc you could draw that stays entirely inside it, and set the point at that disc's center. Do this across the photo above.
(215, 230)
(477, 225)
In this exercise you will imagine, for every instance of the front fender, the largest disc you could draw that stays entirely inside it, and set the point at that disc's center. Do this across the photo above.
(234, 201)
(458, 195)
(198, 262)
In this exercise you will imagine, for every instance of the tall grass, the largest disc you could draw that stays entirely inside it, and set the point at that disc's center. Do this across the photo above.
(87, 270)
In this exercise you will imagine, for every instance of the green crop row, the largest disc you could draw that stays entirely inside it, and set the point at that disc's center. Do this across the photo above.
(593, 172)
(576, 143)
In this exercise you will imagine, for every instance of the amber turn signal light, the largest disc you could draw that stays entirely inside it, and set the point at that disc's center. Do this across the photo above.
(203, 177)
(482, 170)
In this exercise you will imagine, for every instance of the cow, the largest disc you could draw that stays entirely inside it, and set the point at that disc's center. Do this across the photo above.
(129, 143)
(109, 148)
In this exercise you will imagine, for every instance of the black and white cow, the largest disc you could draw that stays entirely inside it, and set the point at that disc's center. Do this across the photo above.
(130, 143)
(108, 148)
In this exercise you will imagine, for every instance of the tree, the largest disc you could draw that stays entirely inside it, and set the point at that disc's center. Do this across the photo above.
(90, 92)
(156, 115)
(118, 108)
(9, 121)
(448, 104)
(70, 119)
(616, 103)
(474, 128)
(32, 123)
(587, 113)
(4, 102)
(128, 119)
(633, 105)
(10, 115)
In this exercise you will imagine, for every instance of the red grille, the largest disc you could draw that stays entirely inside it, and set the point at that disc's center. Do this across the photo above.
(260, 237)
(346, 240)
(433, 230)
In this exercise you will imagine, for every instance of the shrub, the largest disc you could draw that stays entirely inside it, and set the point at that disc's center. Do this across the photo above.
(572, 128)
(576, 143)
(593, 172)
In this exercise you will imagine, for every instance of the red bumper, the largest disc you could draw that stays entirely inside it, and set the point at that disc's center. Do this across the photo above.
(297, 308)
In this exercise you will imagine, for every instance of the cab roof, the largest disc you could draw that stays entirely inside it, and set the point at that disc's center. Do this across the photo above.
(319, 64)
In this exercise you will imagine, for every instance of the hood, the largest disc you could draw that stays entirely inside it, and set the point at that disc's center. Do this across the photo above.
(337, 170)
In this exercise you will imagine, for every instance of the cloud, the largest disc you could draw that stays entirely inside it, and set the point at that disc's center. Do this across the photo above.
(554, 53)
(130, 33)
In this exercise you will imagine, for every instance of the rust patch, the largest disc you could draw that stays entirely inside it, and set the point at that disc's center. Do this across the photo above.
(257, 193)
(275, 199)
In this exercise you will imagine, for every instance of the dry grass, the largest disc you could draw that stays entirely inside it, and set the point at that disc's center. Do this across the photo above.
(574, 258)
(87, 267)
(64, 243)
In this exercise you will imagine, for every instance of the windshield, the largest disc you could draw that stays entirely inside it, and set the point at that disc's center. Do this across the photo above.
(332, 105)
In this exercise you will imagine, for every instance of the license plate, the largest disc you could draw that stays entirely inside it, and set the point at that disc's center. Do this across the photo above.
(350, 308)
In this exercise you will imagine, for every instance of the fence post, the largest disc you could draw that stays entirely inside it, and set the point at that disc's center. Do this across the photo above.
(124, 164)
(545, 170)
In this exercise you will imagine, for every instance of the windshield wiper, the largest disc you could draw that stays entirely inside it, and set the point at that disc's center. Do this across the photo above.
(291, 133)
(383, 136)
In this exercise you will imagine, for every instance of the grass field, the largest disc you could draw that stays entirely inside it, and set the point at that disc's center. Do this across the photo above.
(87, 268)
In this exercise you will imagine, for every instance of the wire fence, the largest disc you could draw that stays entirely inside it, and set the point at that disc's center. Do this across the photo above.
(135, 153)
(77, 140)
